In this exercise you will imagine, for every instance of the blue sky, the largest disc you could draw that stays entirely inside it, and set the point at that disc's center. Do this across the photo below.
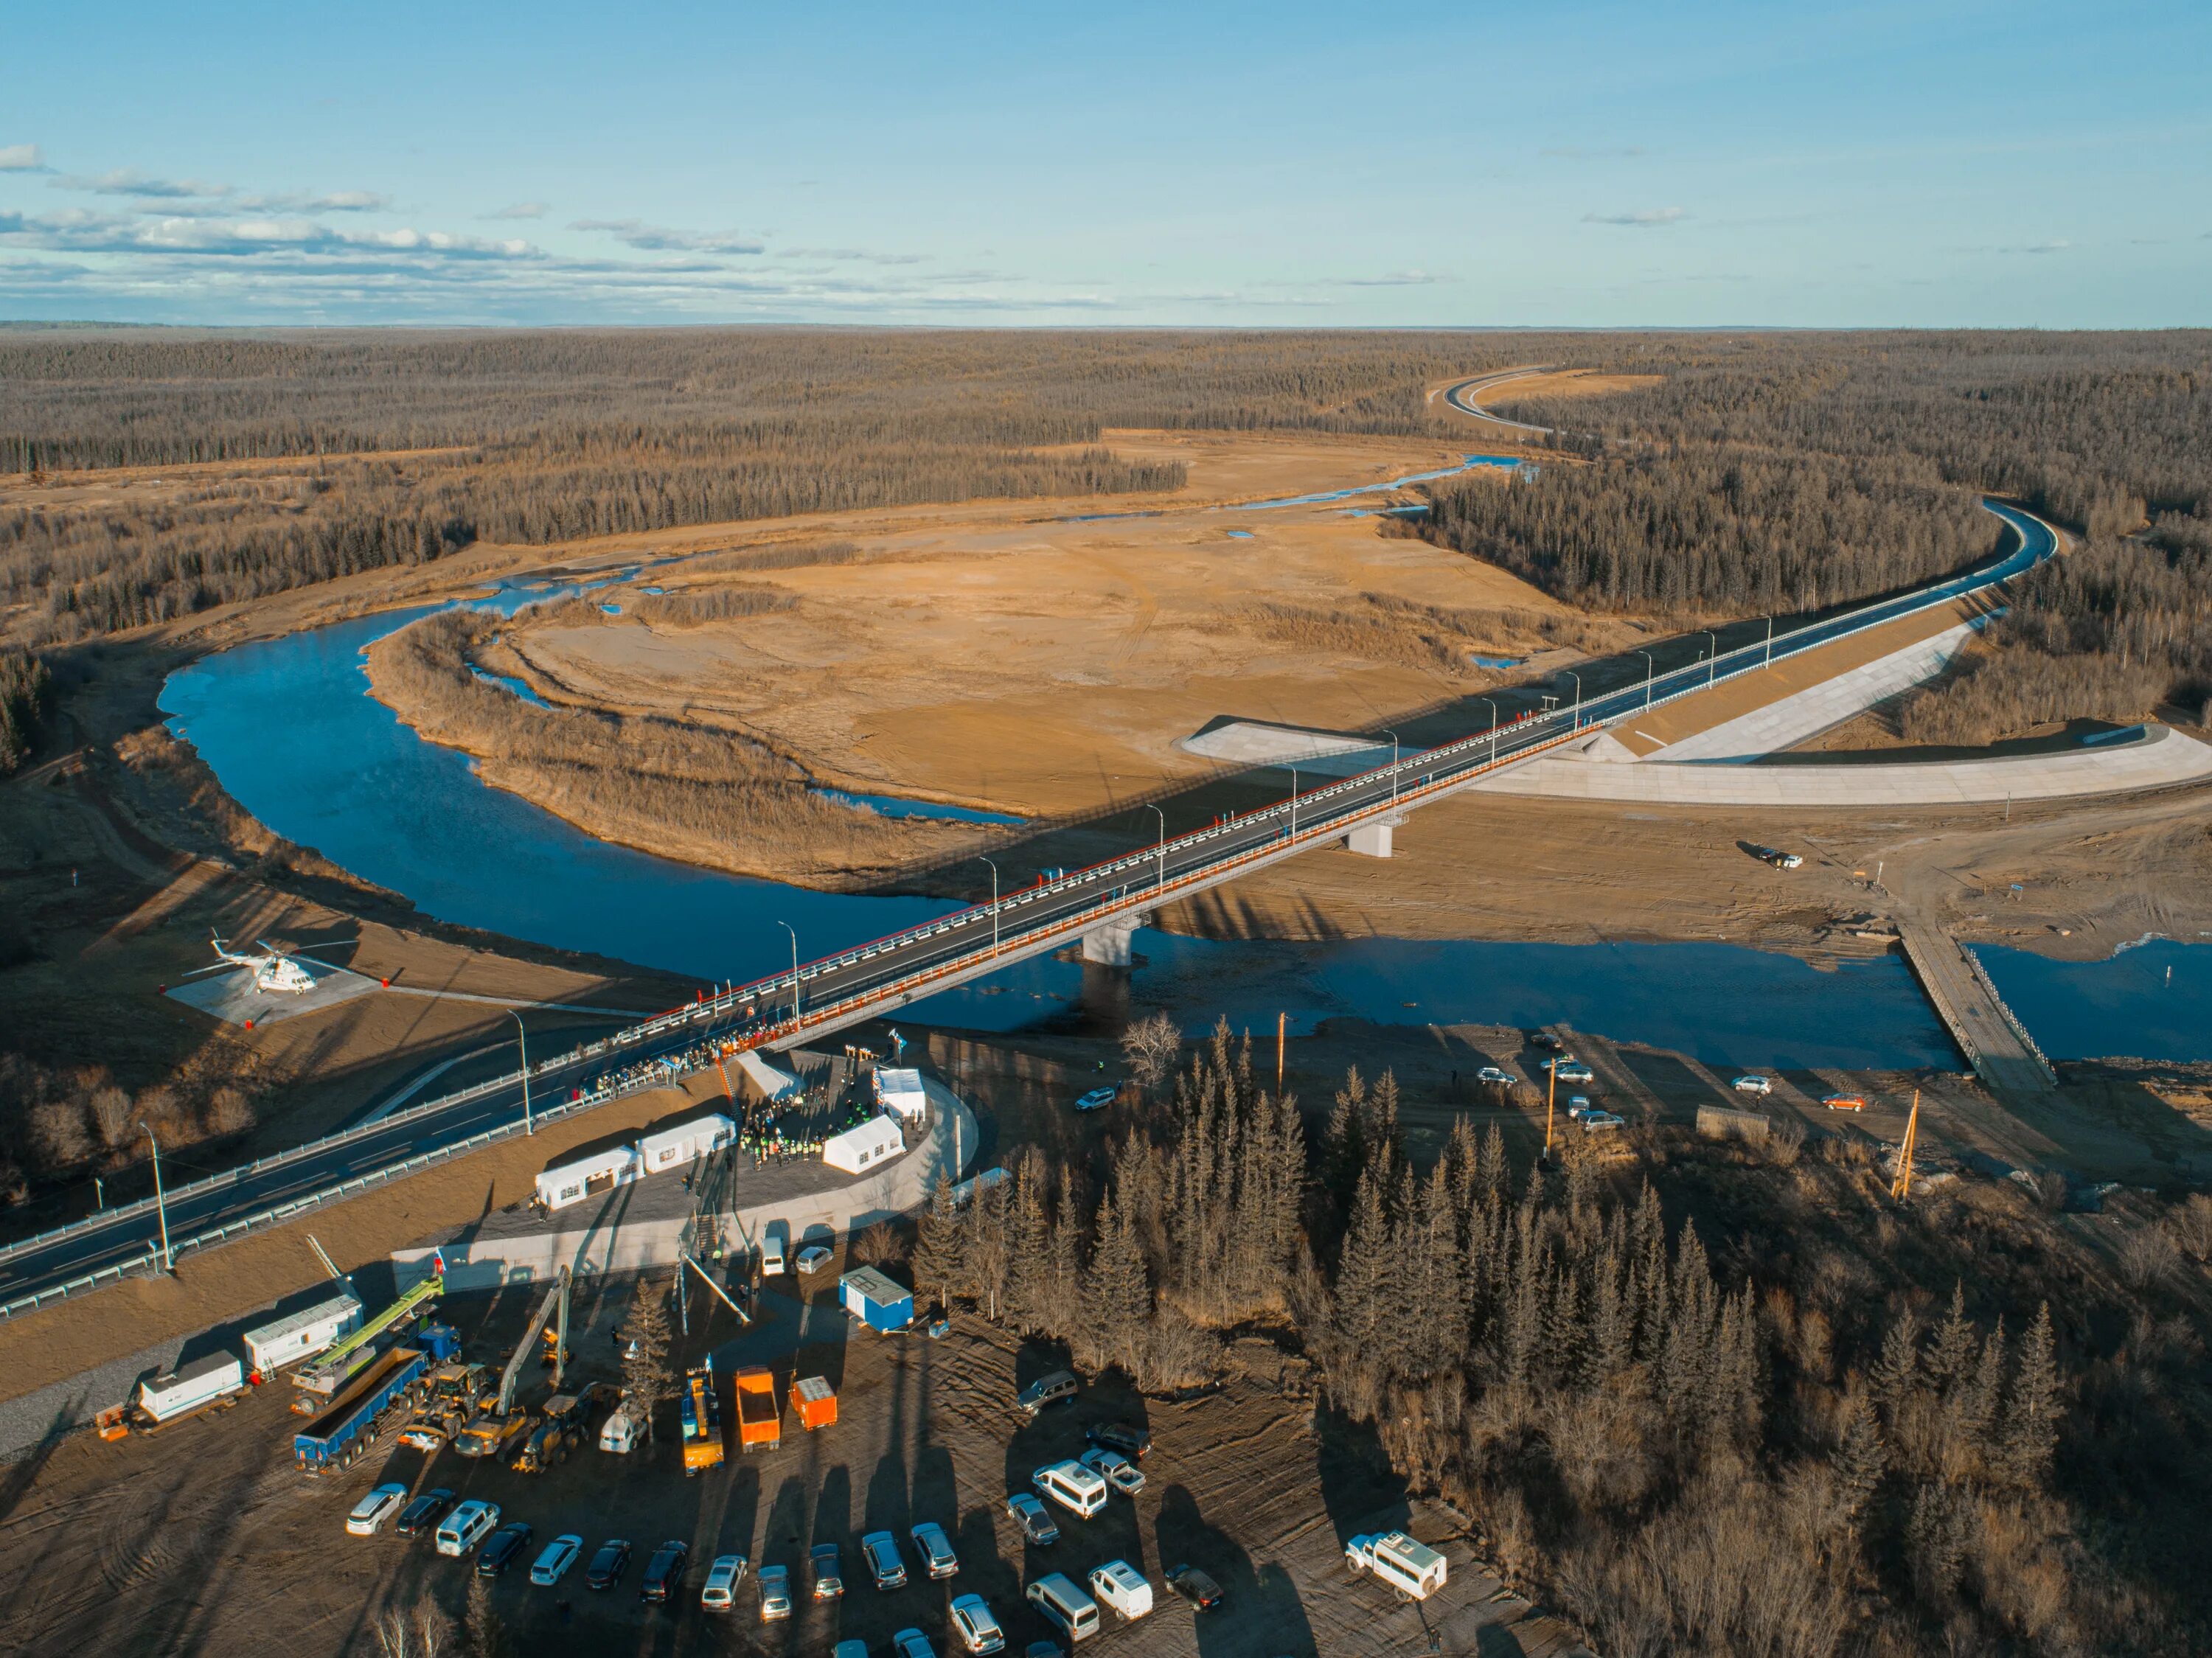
(1463, 164)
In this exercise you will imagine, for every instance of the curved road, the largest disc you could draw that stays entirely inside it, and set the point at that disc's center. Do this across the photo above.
(1461, 397)
(878, 978)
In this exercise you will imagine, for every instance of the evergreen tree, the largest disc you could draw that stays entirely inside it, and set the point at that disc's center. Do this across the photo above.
(1951, 1355)
(1859, 1460)
(482, 1629)
(1117, 1297)
(2030, 1430)
(937, 1250)
(647, 1377)
(1896, 1374)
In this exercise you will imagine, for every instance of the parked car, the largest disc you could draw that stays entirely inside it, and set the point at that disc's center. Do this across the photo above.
(719, 1593)
(1120, 1585)
(1844, 1102)
(1096, 1099)
(608, 1565)
(1044, 1649)
(775, 1593)
(369, 1514)
(938, 1559)
(664, 1573)
(424, 1512)
(1074, 1487)
(1545, 1039)
(1195, 1587)
(1055, 1387)
(1061, 1600)
(1490, 1073)
(553, 1565)
(1579, 1107)
(813, 1259)
(912, 1643)
(1599, 1122)
(1116, 1469)
(880, 1550)
(973, 1626)
(1029, 1514)
(1123, 1437)
(1753, 1084)
(496, 1556)
(849, 1649)
(1573, 1070)
(828, 1582)
(464, 1527)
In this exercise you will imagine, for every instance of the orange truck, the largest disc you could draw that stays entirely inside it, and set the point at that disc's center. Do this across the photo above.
(760, 1418)
(817, 1401)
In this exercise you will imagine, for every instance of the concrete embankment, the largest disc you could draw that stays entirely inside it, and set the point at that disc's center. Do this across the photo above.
(2158, 758)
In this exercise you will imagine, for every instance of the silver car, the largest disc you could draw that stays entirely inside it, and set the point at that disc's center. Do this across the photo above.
(775, 1593)
(935, 1548)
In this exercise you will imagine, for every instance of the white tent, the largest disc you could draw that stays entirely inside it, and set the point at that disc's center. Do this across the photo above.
(901, 1092)
(587, 1176)
(873, 1143)
(681, 1142)
(774, 1083)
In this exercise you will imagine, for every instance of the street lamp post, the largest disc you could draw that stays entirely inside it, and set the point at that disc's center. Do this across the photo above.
(1577, 678)
(1646, 655)
(1712, 655)
(1163, 817)
(994, 906)
(1294, 803)
(1770, 641)
(1393, 736)
(1492, 706)
(787, 927)
(522, 1041)
(160, 1203)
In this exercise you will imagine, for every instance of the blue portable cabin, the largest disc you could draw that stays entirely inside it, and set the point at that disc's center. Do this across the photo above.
(875, 1300)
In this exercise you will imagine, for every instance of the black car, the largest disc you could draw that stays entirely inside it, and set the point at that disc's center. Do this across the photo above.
(664, 1573)
(497, 1555)
(608, 1565)
(424, 1513)
(1195, 1587)
(1131, 1441)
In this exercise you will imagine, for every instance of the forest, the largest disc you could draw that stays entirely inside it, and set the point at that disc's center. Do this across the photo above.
(1704, 1398)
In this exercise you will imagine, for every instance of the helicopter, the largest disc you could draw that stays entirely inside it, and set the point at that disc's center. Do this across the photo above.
(273, 969)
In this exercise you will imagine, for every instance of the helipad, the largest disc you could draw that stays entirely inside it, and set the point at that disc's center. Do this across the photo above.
(232, 998)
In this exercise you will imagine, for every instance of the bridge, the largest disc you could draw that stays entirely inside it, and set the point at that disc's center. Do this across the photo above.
(1099, 907)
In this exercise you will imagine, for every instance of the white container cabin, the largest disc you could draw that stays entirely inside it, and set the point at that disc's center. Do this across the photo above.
(684, 1142)
(200, 1382)
(302, 1335)
(589, 1176)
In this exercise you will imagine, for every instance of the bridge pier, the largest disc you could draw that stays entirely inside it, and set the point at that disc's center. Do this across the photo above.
(1109, 944)
(1373, 840)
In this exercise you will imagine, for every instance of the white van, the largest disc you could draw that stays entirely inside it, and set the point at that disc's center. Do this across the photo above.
(1120, 1585)
(1056, 1596)
(1412, 1568)
(1074, 1487)
(776, 1244)
(464, 1527)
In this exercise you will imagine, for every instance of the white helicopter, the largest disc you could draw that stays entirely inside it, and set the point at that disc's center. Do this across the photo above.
(273, 969)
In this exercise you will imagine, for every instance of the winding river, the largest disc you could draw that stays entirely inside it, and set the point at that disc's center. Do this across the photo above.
(290, 726)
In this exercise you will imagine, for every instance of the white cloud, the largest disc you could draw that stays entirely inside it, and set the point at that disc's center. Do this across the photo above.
(850, 254)
(1587, 153)
(1395, 279)
(657, 239)
(22, 158)
(1643, 219)
(520, 211)
(78, 231)
(127, 181)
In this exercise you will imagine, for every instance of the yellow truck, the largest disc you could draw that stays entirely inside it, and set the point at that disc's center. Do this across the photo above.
(702, 1421)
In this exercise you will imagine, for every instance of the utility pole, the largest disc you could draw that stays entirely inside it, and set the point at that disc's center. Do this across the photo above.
(160, 1203)
(522, 1041)
(995, 914)
(1551, 1094)
(1902, 1189)
(1282, 1021)
(795, 1003)
(1163, 817)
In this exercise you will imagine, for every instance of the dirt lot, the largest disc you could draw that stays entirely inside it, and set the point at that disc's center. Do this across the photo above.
(206, 1537)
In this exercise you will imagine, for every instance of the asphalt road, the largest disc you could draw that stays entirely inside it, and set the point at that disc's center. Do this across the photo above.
(875, 979)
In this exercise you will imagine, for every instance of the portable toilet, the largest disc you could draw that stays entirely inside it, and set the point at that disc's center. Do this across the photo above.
(874, 1300)
(817, 1401)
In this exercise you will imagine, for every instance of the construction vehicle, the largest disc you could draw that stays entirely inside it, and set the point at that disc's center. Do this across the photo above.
(702, 1420)
(212, 1383)
(560, 1431)
(1412, 1567)
(500, 1423)
(319, 1383)
(341, 1433)
(760, 1418)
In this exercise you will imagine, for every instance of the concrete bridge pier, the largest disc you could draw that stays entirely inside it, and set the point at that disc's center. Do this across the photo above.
(1107, 944)
(1373, 840)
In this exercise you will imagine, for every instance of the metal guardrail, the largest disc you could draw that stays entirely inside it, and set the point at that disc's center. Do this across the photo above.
(2005, 1008)
(1685, 681)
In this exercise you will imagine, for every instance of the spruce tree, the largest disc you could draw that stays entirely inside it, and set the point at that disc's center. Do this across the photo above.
(647, 1376)
(1896, 1374)
(2030, 1429)
(1859, 1460)
(481, 1626)
(937, 1248)
(1117, 1297)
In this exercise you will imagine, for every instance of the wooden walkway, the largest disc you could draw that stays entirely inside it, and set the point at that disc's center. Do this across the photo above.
(2003, 1054)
